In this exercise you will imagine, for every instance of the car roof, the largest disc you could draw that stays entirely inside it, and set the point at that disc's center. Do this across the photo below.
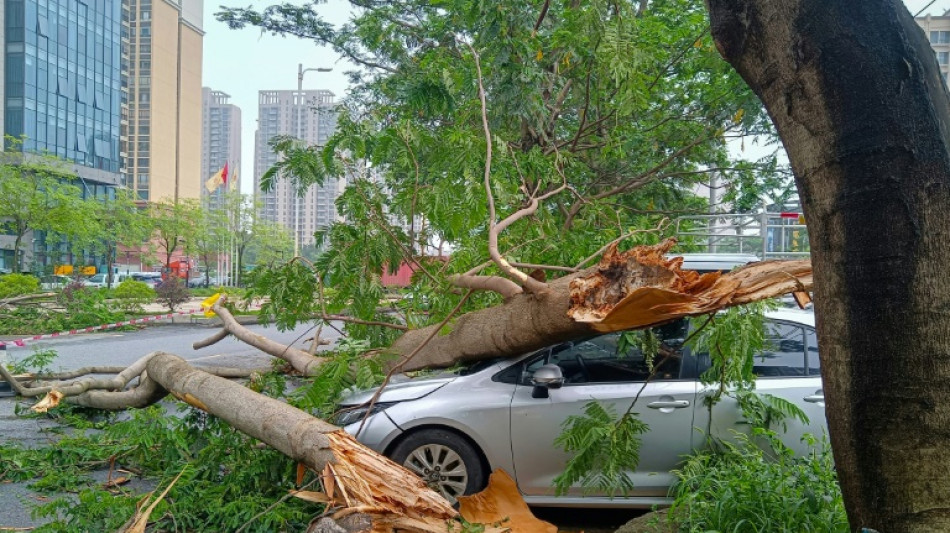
(801, 316)
(710, 261)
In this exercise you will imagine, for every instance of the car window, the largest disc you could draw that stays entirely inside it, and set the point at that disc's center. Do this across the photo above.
(811, 355)
(784, 352)
(615, 357)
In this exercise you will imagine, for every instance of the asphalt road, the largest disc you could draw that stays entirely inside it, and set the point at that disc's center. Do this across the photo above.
(119, 349)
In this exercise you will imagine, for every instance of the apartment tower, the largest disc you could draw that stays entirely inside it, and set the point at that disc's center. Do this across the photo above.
(306, 115)
(937, 29)
(221, 143)
(162, 129)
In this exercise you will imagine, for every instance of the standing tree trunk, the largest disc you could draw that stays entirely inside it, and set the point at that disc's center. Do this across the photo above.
(858, 100)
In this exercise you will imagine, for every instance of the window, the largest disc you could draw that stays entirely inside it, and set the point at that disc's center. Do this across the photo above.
(616, 357)
(784, 353)
(42, 26)
(943, 58)
(940, 37)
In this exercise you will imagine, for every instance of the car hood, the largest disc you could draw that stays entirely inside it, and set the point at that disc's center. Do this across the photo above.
(412, 389)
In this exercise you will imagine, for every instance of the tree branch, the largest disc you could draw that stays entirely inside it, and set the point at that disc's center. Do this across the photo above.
(503, 286)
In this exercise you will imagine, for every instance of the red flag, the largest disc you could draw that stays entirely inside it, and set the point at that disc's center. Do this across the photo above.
(224, 173)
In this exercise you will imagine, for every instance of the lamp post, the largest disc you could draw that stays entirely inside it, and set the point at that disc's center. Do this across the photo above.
(299, 106)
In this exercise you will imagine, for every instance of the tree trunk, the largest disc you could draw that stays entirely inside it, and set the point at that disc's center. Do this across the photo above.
(859, 102)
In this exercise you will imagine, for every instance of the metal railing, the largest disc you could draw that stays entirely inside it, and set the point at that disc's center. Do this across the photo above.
(768, 235)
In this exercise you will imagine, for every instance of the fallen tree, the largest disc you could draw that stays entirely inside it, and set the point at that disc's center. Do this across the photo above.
(600, 298)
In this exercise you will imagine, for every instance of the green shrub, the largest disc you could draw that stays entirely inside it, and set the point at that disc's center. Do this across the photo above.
(131, 295)
(17, 284)
(744, 488)
(84, 307)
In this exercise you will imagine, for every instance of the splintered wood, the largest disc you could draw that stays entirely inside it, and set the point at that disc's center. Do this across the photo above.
(641, 288)
(392, 499)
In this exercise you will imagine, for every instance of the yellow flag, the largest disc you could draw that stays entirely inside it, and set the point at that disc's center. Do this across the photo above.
(215, 181)
(207, 303)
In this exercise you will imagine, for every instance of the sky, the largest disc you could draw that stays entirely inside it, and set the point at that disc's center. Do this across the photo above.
(243, 62)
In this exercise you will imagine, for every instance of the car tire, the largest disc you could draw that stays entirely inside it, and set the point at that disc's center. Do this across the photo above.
(430, 453)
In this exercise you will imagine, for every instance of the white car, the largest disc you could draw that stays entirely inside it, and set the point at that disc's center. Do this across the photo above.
(453, 429)
(102, 280)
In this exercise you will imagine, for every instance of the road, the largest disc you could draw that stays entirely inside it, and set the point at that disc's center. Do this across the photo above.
(119, 349)
(123, 348)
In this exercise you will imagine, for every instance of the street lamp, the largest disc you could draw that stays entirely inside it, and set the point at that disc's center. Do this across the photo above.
(300, 72)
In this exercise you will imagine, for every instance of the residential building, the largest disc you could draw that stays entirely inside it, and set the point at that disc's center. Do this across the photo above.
(61, 93)
(162, 127)
(221, 143)
(937, 29)
(307, 115)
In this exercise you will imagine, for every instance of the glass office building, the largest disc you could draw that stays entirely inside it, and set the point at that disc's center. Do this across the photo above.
(60, 93)
(62, 75)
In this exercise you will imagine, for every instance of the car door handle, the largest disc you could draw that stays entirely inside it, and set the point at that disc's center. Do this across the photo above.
(672, 404)
(814, 398)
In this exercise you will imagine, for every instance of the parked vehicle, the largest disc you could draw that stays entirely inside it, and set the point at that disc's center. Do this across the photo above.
(453, 429)
(152, 279)
(102, 279)
(50, 283)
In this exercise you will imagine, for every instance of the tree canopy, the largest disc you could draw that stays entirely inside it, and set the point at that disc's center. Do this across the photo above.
(613, 113)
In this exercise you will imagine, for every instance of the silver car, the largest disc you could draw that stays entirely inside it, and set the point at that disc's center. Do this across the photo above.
(453, 429)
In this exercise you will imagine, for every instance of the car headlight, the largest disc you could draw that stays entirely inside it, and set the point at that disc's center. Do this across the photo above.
(350, 414)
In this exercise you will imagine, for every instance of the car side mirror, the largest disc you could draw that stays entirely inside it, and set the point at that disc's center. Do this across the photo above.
(546, 377)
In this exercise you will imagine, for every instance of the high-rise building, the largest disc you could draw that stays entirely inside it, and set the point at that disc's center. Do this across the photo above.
(937, 29)
(162, 127)
(307, 115)
(221, 143)
(61, 94)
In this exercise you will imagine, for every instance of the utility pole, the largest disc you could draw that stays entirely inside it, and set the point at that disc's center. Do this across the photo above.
(299, 104)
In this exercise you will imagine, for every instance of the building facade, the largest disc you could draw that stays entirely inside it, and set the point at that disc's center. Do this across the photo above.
(61, 94)
(937, 29)
(307, 115)
(221, 143)
(162, 109)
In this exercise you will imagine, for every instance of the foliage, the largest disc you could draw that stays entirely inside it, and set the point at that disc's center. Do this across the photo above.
(172, 292)
(173, 225)
(132, 295)
(730, 341)
(743, 488)
(38, 194)
(18, 284)
(630, 105)
(115, 221)
(345, 367)
(38, 362)
(604, 450)
(227, 481)
(84, 307)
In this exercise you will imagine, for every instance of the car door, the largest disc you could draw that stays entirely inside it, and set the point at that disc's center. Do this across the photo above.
(606, 369)
(788, 368)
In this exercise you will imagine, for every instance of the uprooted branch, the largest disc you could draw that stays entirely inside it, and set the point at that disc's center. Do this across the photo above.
(356, 479)
(301, 361)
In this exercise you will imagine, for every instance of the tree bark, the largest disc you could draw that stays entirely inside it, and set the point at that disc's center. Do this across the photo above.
(860, 105)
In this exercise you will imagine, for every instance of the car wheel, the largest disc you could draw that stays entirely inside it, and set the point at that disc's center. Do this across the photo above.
(448, 463)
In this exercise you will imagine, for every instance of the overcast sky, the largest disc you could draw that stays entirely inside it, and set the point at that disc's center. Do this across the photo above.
(243, 62)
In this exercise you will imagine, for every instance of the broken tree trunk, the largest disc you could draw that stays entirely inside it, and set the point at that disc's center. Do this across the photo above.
(356, 479)
(635, 289)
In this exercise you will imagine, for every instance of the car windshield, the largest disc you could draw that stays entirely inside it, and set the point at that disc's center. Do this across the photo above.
(98, 278)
